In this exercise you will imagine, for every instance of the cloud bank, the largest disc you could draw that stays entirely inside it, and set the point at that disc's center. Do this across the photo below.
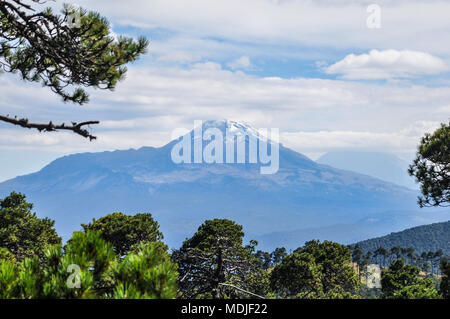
(313, 115)
(387, 64)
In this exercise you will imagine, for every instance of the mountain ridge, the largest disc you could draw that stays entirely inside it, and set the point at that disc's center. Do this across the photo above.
(423, 238)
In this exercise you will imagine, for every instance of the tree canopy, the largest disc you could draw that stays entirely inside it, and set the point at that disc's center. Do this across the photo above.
(88, 268)
(402, 281)
(22, 233)
(431, 168)
(120, 257)
(214, 263)
(423, 238)
(317, 270)
(445, 283)
(125, 232)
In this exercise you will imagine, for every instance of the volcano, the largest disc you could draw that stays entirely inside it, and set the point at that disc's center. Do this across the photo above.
(300, 201)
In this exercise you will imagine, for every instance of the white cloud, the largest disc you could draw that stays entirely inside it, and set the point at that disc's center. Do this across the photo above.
(416, 24)
(403, 141)
(387, 64)
(444, 110)
(242, 63)
(313, 114)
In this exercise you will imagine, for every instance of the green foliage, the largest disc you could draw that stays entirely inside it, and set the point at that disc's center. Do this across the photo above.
(8, 276)
(50, 278)
(120, 256)
(268, 260)
(278, 255)
(334, 260)
(228, 232)
(445, 283)
(402, 281)
(258, 282)
(427, 261)
(5, 254)
(88, 268)
(264, 259)
(318, 270)
(359, 257)
(22, 233)
(423, 290)
(147, 273)
(298, 275)
(92, 254)
(431, 168)
(126, 232)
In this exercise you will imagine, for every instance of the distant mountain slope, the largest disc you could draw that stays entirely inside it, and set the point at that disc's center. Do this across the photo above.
(422, 238)
(302, 194)
(385, 166)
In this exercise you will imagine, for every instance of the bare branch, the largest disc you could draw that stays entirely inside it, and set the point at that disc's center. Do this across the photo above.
(242, 290)
(50, 127)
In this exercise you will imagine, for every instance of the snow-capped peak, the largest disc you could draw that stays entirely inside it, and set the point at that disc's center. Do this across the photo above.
(232, 128)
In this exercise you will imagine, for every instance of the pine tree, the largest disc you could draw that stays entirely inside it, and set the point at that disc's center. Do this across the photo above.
(432, 168)
(22, 233)
(317, 270)
(213, 263)
(88, 268)
(64, 52)
(402, 281)
(445, 283)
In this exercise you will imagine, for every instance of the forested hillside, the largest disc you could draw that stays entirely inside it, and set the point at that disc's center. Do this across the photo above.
(422, 238)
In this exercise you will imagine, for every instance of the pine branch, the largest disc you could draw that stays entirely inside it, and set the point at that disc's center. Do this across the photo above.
(50, 127)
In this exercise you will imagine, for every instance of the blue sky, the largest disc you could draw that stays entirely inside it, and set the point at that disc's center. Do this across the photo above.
(313, 69)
